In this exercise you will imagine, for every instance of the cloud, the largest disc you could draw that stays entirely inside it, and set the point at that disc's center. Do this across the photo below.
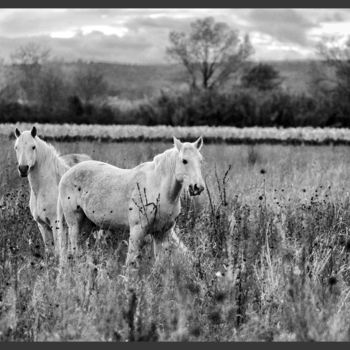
(285, 25)
(93, 46)
(26, 22)
(38, 22)
(143, 38)
(141, 35)
(166, 23)
(333, 15)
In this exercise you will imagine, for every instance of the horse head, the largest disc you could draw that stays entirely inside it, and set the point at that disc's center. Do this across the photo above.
(26, 150)
(188, 165)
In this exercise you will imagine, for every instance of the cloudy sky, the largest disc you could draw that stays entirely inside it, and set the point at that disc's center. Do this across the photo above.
(141, 35)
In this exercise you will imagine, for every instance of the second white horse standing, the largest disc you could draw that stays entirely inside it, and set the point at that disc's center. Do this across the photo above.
(146, 198)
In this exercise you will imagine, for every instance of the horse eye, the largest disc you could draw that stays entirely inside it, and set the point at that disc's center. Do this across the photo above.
(33, 147)
(184, 161)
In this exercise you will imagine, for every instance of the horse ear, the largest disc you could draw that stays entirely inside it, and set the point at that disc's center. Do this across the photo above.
(17, 133)
(199, 143)
(33, 132)
(177, 143)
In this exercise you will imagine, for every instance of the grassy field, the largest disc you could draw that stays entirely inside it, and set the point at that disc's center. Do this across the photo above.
(269, 249)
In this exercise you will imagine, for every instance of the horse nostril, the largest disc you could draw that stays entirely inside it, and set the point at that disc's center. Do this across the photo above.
(23, 169)
(198, 188)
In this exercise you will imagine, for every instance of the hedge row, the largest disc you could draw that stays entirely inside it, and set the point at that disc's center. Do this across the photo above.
(241, 109)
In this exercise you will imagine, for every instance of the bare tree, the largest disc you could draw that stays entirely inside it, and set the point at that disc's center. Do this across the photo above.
(29, 60)
(89, 82)
(31, 54)
(3, 80)
(321, 79)
(337, 57)
(52, 88)
(211, 52)
(7, 83)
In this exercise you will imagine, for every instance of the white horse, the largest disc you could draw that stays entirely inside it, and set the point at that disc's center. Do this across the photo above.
(40, 162)
(146, 198)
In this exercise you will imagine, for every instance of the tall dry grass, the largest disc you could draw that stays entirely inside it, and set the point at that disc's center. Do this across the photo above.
(269, 248)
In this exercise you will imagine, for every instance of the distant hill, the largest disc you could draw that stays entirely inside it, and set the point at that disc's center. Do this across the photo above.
(133, 82)
(138, 81)
(296, 74)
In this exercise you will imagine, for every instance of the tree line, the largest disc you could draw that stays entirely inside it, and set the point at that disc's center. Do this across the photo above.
(225, 87)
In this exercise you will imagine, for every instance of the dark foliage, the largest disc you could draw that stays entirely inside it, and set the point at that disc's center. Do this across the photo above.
(245, 107)
(263, 77)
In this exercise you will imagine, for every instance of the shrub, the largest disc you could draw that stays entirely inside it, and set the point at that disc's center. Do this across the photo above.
(242, 108)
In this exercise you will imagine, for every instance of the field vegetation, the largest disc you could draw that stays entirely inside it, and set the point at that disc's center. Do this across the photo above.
(268, 240)
(223, 134)
(268, 259)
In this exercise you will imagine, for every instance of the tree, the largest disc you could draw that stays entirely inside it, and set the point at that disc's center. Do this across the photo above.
(89, 82)
(263, 77)
(6, 88)
(29, 59)
(52, 89)
(336, 56)
(335, 81)
(319, 82)
(211, 52)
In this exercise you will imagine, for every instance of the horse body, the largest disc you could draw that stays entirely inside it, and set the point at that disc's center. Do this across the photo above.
(98, 189)
(44, 168)
(146, 198)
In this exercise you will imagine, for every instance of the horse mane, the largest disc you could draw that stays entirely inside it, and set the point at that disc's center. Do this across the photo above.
(47, 153)
(165, 162)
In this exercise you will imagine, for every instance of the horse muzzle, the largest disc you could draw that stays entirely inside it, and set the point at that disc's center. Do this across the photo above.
(23, 170)
(195, 190)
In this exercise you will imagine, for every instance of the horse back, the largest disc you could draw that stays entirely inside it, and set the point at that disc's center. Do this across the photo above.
(100, 190)
(97, 178)
(75, 158)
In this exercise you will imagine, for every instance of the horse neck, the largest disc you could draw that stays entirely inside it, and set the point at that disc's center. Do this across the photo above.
(48, 168)
(166, 172)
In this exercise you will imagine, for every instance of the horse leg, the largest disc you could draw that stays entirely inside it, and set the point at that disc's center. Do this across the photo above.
(46, 234)
(74, 220)
(73, 236)
(135, 240)
(157, 247)
(61, 231)
(176, 240)
(170, 238)
(57, 238)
